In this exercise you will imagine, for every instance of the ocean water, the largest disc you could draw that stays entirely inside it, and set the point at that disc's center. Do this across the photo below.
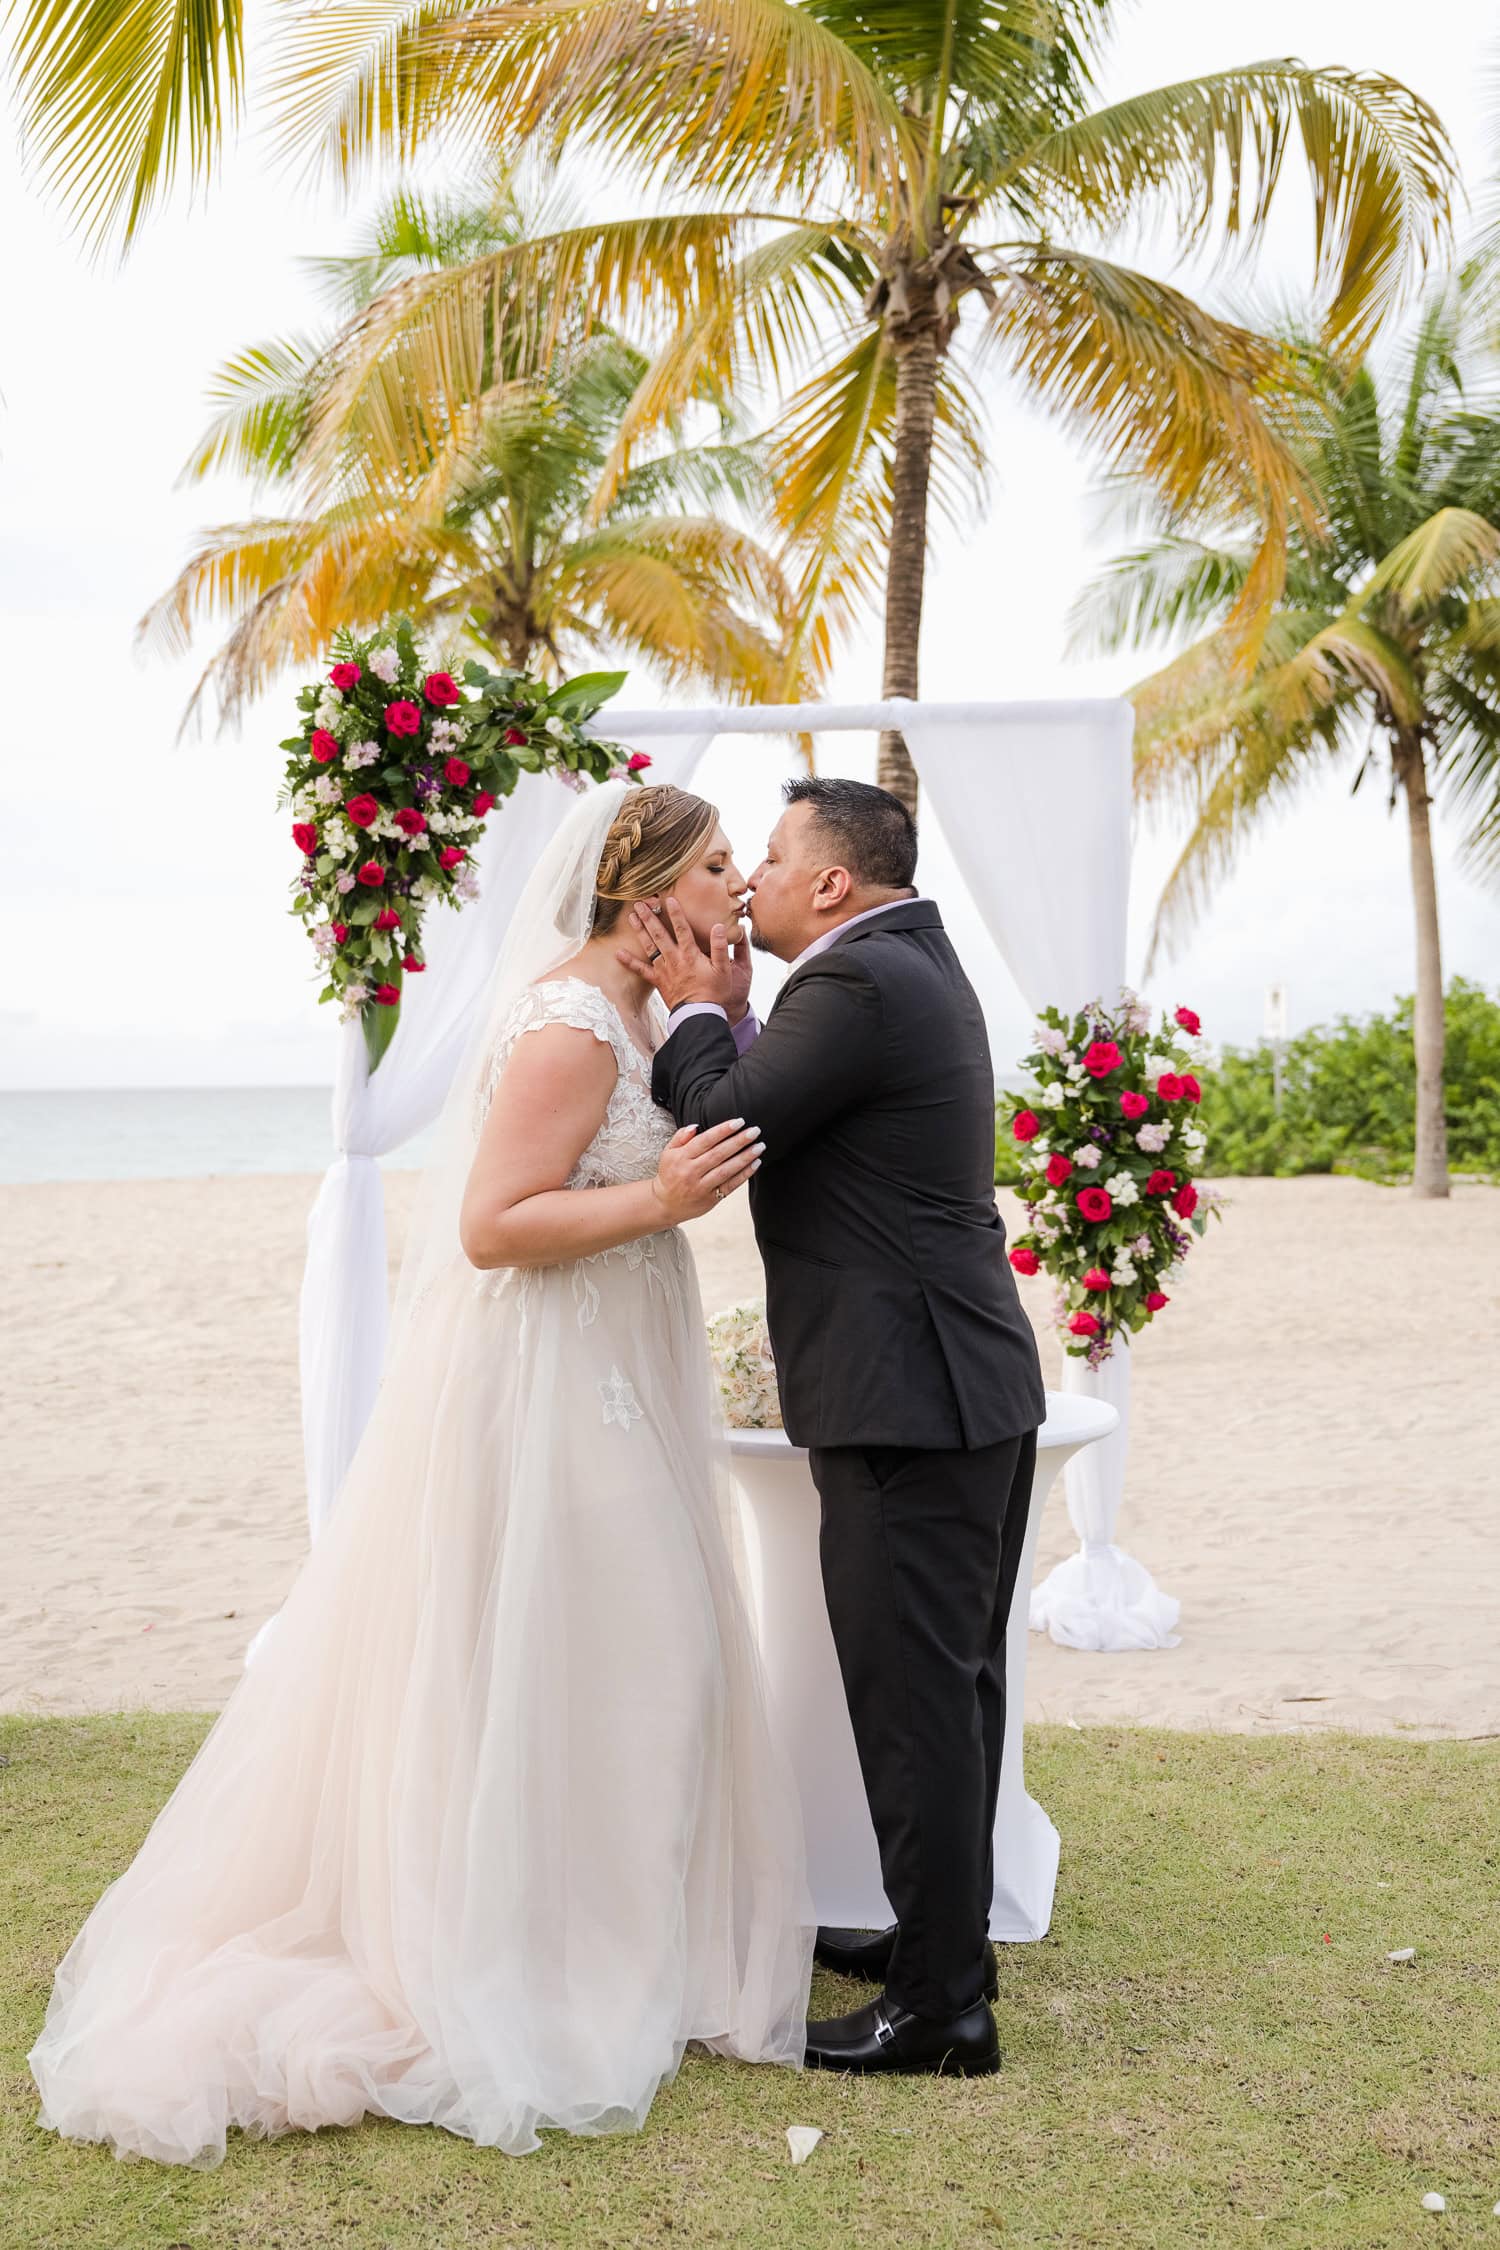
(170, 1133)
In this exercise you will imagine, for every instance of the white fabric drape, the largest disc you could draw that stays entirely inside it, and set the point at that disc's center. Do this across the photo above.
(1034, 803)
(344, 1288)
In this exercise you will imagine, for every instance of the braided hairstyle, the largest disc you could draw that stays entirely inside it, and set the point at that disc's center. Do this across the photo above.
(657, 835)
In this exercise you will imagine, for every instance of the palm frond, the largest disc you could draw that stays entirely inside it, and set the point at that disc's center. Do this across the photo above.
(1440, 557)
(1154, 592)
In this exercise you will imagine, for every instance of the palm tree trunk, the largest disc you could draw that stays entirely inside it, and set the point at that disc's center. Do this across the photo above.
(916, 401)
(1430, 1168)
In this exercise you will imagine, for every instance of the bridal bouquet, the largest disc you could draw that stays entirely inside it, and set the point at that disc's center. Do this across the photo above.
(1108, 1145)
(740, 1350)
(390, 780)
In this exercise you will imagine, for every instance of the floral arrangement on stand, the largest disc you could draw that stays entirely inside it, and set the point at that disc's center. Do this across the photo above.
(1109, 1142)
(390, 780)
(740, 1350)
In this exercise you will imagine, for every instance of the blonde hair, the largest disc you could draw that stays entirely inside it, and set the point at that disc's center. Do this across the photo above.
(657, 835)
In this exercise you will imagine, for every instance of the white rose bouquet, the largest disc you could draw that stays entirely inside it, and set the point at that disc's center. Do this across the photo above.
(740, 1350)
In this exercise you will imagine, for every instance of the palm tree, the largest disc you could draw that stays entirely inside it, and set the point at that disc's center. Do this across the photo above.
(866, 174)
(502, 539)
(1382, 654)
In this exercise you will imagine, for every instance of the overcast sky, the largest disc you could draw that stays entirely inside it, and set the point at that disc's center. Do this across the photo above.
(149, 941)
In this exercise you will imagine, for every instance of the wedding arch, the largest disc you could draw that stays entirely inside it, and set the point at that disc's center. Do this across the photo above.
(1034, 800)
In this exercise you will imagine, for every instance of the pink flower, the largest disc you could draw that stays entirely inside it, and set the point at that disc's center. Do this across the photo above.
(1169, 1086)
(1084, 1324)
(323, 746)
(305, 837)
(363, 811)
(403, 718)
(1185, 1201)
(637, 762)
(514, 738)
(389, 995)
(387, 919)
(1134, 1105)
(1155, 1300)
(1191, 1089)
(1058, 1168)
(450, 856)
(410, 821)
(441, 689)
(372, 874)
(340, 932)
(345, 677)
(413, 966)
(1094, 1203)
(1188, 1020)
(1024, 1259)
(344, 881)
(1161, 1183)
(456, 771)
(1026, 1125)
(1101, 1057)
(483, 803)
(1096, 1278)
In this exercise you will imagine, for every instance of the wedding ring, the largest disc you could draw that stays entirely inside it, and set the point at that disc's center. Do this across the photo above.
(656, 956)
(718, 1195)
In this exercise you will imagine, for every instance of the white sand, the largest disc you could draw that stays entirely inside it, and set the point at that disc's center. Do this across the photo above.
(1313, 1470)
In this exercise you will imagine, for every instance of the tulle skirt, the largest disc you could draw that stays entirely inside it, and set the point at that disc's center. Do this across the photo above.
(493, 1825)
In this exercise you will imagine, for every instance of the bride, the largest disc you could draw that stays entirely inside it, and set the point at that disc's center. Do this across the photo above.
(493, 1825)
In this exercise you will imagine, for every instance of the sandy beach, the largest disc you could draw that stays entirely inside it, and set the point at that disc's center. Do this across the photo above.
(1313, 1469)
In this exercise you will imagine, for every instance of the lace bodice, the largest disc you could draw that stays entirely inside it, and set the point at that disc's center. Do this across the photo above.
(629, 1143)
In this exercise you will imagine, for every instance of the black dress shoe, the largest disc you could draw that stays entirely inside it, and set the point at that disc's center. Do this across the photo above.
(867, 1954)
(885, 2037)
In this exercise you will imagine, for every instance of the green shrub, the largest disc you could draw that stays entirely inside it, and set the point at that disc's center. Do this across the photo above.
(1348, 1098)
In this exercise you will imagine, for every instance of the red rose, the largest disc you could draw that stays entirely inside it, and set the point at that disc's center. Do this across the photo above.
(483, 803)
(1134, 1105)
(637, 762)
(413, 965)
(1185, 1201)
(514, 736)
(305, 836)
(1025, 1259)
(372, 873)
(389, 995)
(402, 718)
(340, 932)
(410, 821)
(449, 857)
(387, 919)
(456, 771)
(363, 811)
(1096, 1278)
(1058, 1168)
(440, 688)
(323, 746)
(1094, 1203)
(1169, 1086)
(1026, 1125)
(1084, 1324)
(1155, 1300)
(1161, 1183)
(345, 677)
(1101, 1057)
(1188, 1021)
(1192, 1091)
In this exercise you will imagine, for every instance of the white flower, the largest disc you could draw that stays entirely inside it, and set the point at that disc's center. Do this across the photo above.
(1076, 1072)
(338, 842)
(1121, 1188)
(330, 708)
(362, 754)
(557, 728)
(573, 781)
(345, 883)
(1038, 1146)
(324, 942)
(1055, 1095)
(326, 790)
(1153, 1138)
(1050, 1041)
(740, 1350)
(385, 664)
(1087, 1154)
(1122, 1273)
(1156, 1064)
(466, 883)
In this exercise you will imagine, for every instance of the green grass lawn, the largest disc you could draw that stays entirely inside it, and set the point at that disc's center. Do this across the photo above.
(1210, 2047)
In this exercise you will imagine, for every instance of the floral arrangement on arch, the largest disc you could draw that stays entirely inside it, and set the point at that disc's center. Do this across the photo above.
(390, 781)
(1109, 1143)
(740, 1349)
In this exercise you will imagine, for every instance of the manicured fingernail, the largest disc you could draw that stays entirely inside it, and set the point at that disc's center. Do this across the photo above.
(755, 1167)
(736, 1121)
(759, 1149)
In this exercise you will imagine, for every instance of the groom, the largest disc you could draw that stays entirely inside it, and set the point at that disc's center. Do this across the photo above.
(905, 1363)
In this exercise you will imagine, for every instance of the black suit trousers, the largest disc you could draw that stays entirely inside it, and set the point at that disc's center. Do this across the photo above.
(920, 1552)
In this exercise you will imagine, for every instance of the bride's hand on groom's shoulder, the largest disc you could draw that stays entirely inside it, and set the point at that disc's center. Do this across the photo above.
(697, 1170)
(668, 956)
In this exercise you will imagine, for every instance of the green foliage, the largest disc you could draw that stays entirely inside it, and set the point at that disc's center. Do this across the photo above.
(1349, 1096)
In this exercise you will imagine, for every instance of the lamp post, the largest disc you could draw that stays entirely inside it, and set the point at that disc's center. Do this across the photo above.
(1276, 1033)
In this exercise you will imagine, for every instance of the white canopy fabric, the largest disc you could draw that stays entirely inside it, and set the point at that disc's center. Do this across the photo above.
(1034, 800)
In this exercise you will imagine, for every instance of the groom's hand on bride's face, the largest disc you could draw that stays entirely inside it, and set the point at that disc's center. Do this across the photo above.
(668, 956)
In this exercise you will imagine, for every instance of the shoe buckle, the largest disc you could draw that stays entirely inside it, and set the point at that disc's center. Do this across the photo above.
(885, 2030)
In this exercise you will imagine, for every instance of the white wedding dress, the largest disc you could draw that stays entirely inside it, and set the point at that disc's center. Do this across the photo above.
(493, 1825)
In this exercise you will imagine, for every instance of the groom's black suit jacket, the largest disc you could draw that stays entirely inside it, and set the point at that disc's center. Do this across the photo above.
(892, 1307)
